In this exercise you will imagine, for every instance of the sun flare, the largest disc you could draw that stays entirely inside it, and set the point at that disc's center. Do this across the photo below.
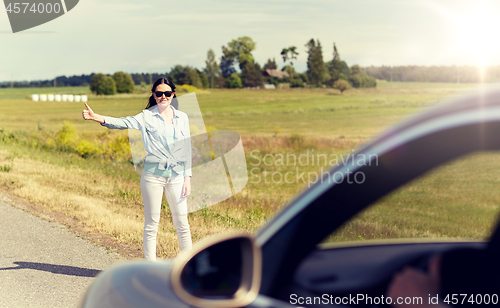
(474, 30)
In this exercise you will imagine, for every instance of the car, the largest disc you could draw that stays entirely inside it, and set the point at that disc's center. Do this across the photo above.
(285, 264)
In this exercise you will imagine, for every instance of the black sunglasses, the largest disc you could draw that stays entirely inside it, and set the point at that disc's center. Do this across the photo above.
(160, 93)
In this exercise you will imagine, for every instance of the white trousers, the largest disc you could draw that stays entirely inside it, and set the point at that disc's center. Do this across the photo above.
(152, 188)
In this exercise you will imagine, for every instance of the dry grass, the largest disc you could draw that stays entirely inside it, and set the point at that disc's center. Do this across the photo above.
(87, 196)
(453, 202)
(113, 205)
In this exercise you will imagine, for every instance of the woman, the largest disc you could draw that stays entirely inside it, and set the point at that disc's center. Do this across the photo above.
(167, 167)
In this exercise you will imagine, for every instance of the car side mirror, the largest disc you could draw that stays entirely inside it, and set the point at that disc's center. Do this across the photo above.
(221, 272)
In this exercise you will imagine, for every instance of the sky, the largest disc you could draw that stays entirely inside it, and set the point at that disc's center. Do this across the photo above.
(154, 35)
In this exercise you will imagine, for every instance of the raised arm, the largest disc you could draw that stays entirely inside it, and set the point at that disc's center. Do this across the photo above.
(134, 122)
(89, 114)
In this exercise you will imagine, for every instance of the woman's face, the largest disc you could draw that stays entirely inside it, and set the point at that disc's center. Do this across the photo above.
(162, 100)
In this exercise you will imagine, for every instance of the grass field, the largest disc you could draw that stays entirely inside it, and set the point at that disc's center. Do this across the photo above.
(102, 193)
(358, 113)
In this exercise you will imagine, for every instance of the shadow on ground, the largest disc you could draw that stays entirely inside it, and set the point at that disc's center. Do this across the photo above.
(55, 269)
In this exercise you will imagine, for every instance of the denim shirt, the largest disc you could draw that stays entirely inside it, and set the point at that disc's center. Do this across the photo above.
(153, 129)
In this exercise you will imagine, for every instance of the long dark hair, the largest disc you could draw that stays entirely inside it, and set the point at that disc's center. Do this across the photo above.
(159, 81)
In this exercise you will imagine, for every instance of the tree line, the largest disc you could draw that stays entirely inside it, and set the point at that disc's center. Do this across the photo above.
(237, 68)
(457, 74)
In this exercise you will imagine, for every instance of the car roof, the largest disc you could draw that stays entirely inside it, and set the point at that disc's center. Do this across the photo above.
(402, 153)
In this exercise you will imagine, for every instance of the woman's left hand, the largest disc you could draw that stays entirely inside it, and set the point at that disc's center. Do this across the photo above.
(186, 187)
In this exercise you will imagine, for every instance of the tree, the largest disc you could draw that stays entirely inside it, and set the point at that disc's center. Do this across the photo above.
(212, 69)
(204, 79)
(234, 81)
(304, 77)
(270, 65)
(337, 68)
(289, 54)
(226, 63)
(102, 85)
(221, 82)
(316, 70)
(241, 50)
(188, 75)
(289, 69)
(341, 85)
(296, 83)
(355, 69)
(336, 55)
(176, 74)
(362, 81)
(124, 82)
(251, 75)
(138, 78)
(194, 77)
(359, 78)
(183, 75)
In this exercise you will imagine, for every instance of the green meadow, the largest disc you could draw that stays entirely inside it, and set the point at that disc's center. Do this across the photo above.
(358, 113)
(83, 171)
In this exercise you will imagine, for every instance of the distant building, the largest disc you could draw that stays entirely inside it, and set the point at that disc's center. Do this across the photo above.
(276, 73)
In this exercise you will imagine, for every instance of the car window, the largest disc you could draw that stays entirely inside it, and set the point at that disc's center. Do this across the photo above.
(458, 200)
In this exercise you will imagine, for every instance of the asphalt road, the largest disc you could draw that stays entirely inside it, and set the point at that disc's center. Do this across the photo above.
(42, 264)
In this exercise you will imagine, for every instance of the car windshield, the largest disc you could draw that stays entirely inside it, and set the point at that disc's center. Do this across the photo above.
(282, 168)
